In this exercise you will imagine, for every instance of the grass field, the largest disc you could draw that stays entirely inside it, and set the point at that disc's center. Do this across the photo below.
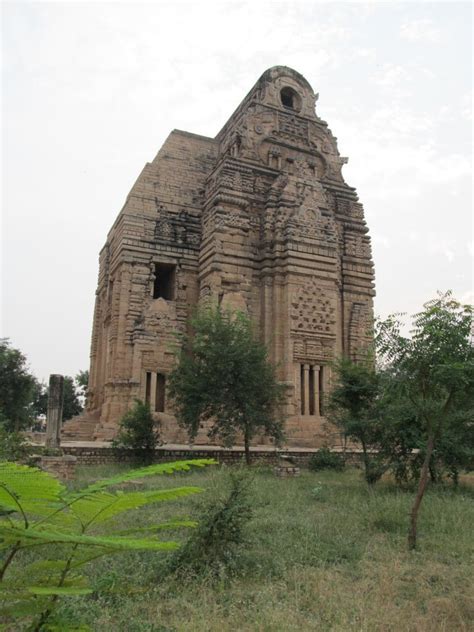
(324, 553)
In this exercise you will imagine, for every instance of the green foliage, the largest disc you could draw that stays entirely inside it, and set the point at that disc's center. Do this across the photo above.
(82, 381)
(215, 547)
(36, 510)
(414, 413)
(16, 388)
(433, 371)
(324, 459)
(143, 472)
(454, 450)
(71, 403)
(138, 431)
(39, 404)
(355, 405)
(223, 376)
(13, 445)
(434, 368)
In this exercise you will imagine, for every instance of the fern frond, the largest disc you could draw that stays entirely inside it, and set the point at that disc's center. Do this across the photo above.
(62, 590)
(33, 489)
(26, 536)
(150, 470)
(4, 511)
(25, 606)
(44, 566)
(102, 506)
(45, 573)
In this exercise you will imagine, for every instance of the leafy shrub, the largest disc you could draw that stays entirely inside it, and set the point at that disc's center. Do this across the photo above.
(319, 492)
(13, 445)
(138, 431)
(37, 510)
(324, 459)
(214, 548)
(375, 469)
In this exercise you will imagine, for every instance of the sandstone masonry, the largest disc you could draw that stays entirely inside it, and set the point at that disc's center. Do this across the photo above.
(257, 219)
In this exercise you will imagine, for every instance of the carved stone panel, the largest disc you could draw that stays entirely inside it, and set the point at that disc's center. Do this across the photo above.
(177, 229)
(357, 245)
(290, 126)
(313, 310)
(360, 333)
(313, 349)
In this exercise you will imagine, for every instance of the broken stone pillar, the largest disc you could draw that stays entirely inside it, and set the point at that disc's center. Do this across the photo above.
(55, 411)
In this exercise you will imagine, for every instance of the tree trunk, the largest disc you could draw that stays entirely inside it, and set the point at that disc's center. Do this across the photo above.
(247, 446)
(421, 490)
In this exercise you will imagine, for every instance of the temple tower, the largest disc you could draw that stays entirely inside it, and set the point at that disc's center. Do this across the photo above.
(257, 219)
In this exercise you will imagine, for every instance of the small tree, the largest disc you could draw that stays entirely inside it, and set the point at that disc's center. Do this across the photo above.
(17, 386)
(354, 405)
(434, 371)
(138, 431)
(223, 376)
(71, 402)
(13, 445)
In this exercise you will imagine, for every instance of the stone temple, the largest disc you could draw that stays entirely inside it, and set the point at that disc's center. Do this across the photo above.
(257, 219)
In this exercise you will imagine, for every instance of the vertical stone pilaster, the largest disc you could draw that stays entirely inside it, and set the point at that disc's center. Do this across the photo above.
(297, 382)
(306, 389)
(153, 392)
(55, 411)
(316, 370)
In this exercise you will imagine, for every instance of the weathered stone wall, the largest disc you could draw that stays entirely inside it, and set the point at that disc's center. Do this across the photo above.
(64, 467)
(159, 224)
(108, 456)
(258, 219)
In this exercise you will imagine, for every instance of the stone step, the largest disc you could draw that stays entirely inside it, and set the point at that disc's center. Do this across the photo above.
(81, 427)
(105, 432)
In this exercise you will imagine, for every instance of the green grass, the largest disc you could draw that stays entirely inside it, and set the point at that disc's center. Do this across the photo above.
(325, 553)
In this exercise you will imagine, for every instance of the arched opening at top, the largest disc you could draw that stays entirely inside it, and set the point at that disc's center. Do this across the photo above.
(290, 99)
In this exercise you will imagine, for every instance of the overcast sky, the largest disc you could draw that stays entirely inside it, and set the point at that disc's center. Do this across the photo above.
(91, 90)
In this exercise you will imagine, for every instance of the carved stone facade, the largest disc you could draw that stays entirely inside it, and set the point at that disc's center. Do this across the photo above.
(257, 219)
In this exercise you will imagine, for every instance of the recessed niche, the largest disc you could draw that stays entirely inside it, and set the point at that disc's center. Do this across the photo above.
(290, 99)
(165, 281)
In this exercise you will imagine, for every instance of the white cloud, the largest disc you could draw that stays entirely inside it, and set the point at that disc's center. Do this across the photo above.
(420, 31)
(466, 106)
(381, 240)
(391, 75)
